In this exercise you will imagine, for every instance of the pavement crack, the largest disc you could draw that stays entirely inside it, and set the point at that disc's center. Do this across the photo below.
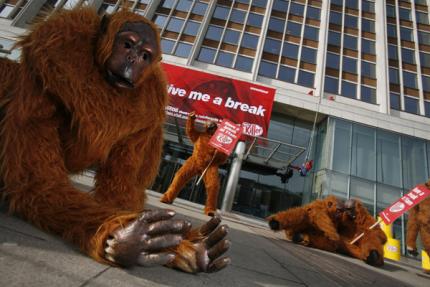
(94, 277)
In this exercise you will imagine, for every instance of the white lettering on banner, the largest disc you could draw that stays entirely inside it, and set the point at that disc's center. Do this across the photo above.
(176, 91)
(259, 111)
(199, 96)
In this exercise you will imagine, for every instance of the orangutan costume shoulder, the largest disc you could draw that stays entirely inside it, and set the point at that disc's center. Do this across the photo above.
(89, 91)
(204, 157)
(419, 222)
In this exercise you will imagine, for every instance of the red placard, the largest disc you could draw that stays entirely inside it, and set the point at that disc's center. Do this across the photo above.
(406, 202)
(213, 97)
(226, 136)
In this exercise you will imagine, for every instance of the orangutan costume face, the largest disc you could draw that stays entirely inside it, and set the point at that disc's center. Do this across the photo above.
(211, 127)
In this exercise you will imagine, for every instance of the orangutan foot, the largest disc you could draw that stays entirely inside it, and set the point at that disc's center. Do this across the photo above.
(274, 224)
(374, 259)
(166, 199)
(210, 212)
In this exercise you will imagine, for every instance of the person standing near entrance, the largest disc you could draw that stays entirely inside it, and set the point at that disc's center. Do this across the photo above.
(204, 160)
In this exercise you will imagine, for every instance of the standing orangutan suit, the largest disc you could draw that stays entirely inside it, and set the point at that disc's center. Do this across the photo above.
(89, 91)
(204, 156)
(419, 222)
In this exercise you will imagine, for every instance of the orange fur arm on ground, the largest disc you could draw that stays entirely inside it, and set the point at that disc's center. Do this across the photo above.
(89, 92)
(204, 157)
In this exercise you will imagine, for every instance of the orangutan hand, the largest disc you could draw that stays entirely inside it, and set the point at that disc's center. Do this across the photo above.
(192, 115)
(412, 251)
(203, 254)
(141, 242)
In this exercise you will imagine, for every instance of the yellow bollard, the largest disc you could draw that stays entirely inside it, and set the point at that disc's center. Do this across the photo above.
(425, 261)
(388, 229)
(392, 249)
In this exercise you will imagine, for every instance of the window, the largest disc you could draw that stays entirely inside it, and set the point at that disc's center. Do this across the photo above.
(406, 34)
(160, 20)
(290, 50)
(349, 65)
(244, 63)
(272, 46)
(287, 74)
(425, 59)
(408, 56)
(306, 79)
(405, 14)
(296, 9)
(422, 18)
(184, 5)
(255, 20)
(224, 59)
(167, 46)
(276, 24)
(309, 55)
(424, 38)
(394, 76)
(314, 13)
(238, 16)
(331, 85)
(368, 6)
(368, 25)
(214, 33)
(388, 157)
(427, 109)
(426, 83)
(249, 41)
(5, 10)
(259, 3)
(411, 105)
(368, 46)
(191, 28)
(351, 21)
(392, 52)
(267, 69)
(350, 42)
(363, 161)
(333, 61)
(294, 28)
(183, 50)
(311, 33)
(342, 146)
(167, 4)
(231, 37)
(395, 101)
(280, 5)
(368, 69)
(335, 17)
(221, 12)
(368, 95)
(175, 25)
(391, 31)
(206, 55)
(200, 8)
(349, 90)
(334, 38)
(410, 80)
(351, 4)
(391, 11)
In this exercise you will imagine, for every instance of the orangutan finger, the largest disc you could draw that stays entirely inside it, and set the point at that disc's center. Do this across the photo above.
(219, 249)
(156, 215)
(207, 228)
(217, 235)
(218, 264)
(148, 260)
(162, 242)
(169, 226)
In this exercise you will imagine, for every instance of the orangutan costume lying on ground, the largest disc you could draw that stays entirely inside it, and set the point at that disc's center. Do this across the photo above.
(204, 156)
(89, 91)
(419, 222)
(331, 227)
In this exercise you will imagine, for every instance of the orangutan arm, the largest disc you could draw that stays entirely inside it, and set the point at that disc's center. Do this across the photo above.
(190, 128)
(412, 229)
(321, 220)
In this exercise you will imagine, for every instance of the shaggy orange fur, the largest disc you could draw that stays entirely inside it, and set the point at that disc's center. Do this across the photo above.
(62, 117)
(315, 220)
(203, 156)
(419, 222)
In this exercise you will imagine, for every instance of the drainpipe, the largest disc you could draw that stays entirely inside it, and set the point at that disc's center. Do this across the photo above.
(233, 178)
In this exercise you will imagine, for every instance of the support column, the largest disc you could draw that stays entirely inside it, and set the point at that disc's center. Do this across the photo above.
(233, 178)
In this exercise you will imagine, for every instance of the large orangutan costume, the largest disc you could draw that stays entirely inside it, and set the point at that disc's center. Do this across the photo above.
(331, 225)
(89, 91)
(204, 157)
(419, 222)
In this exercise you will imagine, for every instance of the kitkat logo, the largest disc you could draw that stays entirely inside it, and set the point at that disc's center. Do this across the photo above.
(224, 139)
(252, 129)
(399, 206)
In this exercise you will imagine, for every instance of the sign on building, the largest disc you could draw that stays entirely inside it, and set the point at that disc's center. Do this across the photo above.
(213, 97)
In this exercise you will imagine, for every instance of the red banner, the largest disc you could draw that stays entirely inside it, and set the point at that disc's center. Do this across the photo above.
(406, 202)
(226, 136)
(214, 98)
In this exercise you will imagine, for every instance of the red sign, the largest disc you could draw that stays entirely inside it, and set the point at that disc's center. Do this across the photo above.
(226, 136)
(406, 202)
(213, 98)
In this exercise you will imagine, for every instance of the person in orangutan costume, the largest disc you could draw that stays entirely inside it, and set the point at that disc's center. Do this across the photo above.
(204, 157)
(88, 92)
(419, 222)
